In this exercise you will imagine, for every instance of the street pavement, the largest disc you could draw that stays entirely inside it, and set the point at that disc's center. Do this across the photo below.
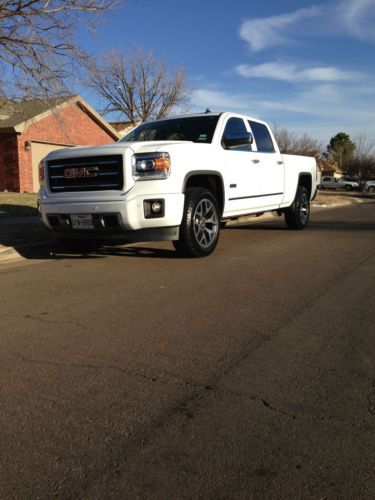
(127, 372)
(19, 235)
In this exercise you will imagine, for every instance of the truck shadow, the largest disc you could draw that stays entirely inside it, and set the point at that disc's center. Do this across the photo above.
(44, 247)
(59, 251)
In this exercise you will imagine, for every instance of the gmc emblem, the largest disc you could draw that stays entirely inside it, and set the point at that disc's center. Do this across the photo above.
(78, 173)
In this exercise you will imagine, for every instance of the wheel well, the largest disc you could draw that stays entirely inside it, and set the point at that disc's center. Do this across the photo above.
(213, 183)
(305, 181)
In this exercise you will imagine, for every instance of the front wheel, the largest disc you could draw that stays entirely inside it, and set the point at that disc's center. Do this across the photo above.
(371, 189)
(348, 187)
(297, 215)
(200, 227)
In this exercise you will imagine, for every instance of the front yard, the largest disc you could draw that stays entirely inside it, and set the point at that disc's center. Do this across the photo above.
(18, 204)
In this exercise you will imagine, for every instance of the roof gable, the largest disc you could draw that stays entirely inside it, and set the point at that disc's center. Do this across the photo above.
(17, 116)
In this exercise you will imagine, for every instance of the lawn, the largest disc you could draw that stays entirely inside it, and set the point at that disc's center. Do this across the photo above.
(18, 204)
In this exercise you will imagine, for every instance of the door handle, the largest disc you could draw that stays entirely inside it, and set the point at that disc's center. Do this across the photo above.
(280, 162)
(255, 160)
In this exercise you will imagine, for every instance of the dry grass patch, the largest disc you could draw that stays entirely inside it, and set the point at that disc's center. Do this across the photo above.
(18, 204)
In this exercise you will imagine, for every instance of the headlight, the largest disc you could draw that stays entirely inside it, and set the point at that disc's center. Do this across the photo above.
(150, 166)
(41, 173)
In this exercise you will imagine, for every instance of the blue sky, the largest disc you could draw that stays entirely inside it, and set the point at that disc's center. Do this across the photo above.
(309, 66)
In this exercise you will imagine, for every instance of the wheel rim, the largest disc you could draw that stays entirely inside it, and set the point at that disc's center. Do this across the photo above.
(304, 208)
(206, 223)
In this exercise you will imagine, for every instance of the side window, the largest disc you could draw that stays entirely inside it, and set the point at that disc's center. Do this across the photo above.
(233, 128)
(262, 137)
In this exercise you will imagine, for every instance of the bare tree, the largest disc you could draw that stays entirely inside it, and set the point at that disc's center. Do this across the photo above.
(362, 163)
(136, 85)
(365, 147)
(291, 143)
(37, 41)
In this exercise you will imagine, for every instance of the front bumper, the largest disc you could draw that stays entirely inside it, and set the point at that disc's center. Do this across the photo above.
(119, 218)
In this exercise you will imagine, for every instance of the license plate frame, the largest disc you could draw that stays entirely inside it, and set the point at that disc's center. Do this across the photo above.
(82, 221)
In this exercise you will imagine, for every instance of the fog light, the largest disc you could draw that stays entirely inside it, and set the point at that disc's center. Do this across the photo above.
(156, 207)
(153, 208)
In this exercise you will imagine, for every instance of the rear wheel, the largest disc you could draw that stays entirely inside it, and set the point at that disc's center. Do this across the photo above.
(297, 215)
(200, 227)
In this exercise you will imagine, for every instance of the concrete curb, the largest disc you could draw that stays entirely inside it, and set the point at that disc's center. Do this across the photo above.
(10, 253)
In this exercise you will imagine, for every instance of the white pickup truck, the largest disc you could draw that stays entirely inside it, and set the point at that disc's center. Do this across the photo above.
(176, 179)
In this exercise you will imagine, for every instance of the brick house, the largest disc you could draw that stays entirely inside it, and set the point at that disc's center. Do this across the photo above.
(31, 129)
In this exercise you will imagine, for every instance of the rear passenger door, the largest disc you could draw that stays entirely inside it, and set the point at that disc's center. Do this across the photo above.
(270, 164)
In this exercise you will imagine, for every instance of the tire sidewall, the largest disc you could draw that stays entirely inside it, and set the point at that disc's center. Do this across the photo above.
(193, 197)
(302, 197)
(293, 214)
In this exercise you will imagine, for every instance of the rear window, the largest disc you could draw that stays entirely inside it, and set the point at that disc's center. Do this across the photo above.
(194, 128)
(262, 137)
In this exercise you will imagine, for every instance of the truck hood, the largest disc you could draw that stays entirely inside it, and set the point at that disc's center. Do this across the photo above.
(117, 147)
(150, 146)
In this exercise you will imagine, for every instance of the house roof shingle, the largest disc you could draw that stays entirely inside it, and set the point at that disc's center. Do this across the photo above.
(21, 111)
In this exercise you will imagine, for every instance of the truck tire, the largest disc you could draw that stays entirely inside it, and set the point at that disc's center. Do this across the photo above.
(297, 215)
(200, 227)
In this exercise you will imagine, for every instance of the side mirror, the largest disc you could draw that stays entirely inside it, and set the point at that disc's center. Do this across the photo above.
(238, 139)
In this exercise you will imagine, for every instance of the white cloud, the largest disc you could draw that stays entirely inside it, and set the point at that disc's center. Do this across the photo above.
(289, 72)
(216, 100)
(358, 17)
(262, 33)
(321, 110)
(355, 18)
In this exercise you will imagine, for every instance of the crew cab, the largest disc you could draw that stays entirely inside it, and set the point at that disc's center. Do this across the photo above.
(176, 179)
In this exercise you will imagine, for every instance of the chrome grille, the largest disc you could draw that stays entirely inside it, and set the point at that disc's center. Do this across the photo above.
(92, 173)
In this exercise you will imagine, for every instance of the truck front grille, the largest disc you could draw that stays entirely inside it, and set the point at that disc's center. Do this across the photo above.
(92, 173)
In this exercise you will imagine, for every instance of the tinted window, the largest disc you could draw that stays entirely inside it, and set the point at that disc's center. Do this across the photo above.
(233, 128)
(262, 137)
(194, 128)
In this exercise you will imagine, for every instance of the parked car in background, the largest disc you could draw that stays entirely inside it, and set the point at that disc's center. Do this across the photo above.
(328, 182)
(369, 186)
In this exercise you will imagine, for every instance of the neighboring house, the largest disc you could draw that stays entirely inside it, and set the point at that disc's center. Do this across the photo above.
(31, 129)
(330, 168)
(122, 127)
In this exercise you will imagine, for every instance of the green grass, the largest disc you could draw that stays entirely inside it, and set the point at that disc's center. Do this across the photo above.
(18, 204)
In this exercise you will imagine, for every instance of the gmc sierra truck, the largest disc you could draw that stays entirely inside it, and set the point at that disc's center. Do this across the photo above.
(176, 179)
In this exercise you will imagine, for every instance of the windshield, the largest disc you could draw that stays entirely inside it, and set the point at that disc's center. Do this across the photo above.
(194, 128)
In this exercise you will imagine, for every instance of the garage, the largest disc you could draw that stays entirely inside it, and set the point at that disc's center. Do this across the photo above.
(38, 151)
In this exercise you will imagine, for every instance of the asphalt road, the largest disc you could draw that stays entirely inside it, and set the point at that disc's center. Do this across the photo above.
(129, 373)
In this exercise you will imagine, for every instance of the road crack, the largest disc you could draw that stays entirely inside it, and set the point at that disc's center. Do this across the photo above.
(45, 320)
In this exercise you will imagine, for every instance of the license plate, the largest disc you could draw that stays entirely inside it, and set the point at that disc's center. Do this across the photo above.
(82, 222)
